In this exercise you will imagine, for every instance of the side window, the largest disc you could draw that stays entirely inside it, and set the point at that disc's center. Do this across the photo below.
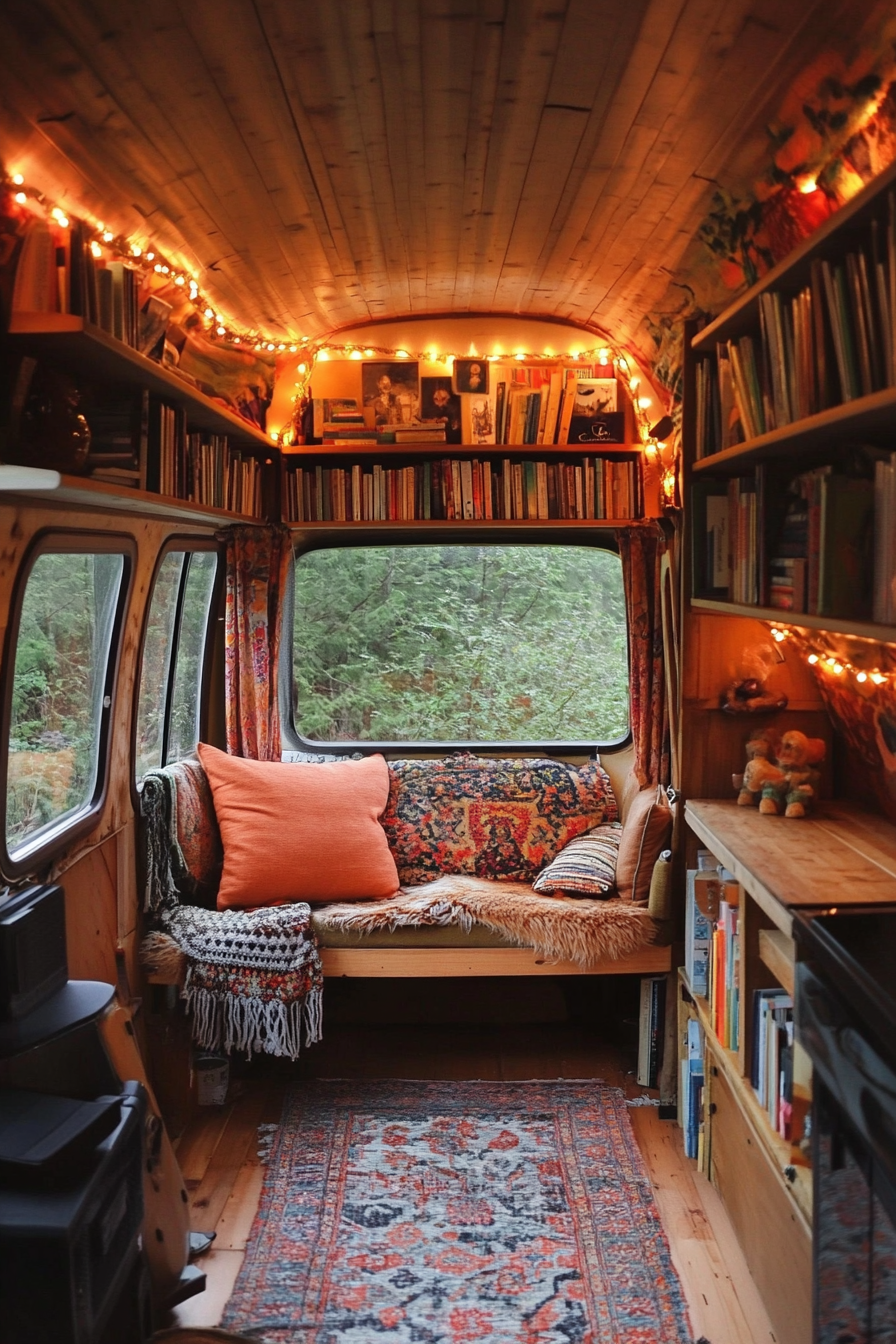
(63, 664)
(170, 701)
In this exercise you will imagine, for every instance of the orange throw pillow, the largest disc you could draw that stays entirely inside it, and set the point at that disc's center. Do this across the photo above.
(300, 832)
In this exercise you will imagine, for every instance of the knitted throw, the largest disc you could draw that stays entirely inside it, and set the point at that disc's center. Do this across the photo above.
(254, 979)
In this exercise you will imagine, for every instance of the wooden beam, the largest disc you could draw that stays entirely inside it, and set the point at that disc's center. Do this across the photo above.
(405, 962)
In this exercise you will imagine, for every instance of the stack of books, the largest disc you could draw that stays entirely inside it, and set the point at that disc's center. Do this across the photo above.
(771, 1071)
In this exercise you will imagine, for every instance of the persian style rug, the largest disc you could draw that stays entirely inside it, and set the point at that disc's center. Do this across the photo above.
(447, 1212)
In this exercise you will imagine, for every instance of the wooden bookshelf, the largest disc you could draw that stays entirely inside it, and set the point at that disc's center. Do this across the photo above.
(76, 345)
(884, 634)
(868, 419)
(293, 456)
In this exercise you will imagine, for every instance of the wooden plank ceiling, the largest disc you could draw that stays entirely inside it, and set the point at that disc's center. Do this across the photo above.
(336, 161)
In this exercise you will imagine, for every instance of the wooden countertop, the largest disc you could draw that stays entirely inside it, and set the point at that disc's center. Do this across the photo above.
(840, 856)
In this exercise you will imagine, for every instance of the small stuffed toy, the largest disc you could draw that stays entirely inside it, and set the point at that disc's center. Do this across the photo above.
(797, 756)
(760, 771)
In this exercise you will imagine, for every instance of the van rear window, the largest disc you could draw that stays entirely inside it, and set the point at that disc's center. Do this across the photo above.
(460, 644)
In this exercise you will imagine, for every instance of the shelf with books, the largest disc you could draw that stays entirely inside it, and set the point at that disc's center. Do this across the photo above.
(152, 431)
(452, 484)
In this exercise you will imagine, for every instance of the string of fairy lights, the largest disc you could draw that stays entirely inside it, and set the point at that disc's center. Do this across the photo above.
(865, 674)
(144, 255)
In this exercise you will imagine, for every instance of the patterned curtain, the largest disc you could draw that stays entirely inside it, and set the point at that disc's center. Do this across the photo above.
(641, 549)
(258, 560)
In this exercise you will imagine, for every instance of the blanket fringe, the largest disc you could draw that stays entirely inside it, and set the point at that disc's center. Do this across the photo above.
(232, 1022)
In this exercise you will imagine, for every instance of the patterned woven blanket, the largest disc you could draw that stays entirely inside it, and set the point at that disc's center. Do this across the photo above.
(254, 979)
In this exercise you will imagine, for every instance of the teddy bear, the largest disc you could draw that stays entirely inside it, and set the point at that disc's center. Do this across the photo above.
(796, 759)
(760, 769)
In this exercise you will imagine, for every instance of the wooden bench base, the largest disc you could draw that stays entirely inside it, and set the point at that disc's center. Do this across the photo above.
(429, 962)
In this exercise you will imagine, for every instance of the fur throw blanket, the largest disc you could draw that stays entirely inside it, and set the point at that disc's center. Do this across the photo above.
(561, 928)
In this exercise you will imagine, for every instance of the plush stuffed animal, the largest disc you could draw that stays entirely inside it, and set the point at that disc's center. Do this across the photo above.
(797, 756)
(760, 771)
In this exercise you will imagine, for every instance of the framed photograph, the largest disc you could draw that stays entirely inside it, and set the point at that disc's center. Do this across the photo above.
(439, 402)
(391, 391)
(471, 375)
(478, 419)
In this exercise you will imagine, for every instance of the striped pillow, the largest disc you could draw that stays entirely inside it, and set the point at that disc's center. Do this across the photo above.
(587, 865)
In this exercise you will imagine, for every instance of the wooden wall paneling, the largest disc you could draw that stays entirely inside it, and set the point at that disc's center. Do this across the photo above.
(478, 123)
(289, 171)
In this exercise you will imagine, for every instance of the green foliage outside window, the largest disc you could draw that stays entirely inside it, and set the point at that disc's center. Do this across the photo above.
(61, 658)
(460, 643)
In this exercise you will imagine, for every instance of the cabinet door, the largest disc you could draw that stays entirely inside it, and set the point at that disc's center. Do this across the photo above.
(774, 1239)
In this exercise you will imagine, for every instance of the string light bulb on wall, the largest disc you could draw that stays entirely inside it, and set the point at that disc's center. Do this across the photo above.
(825, 660)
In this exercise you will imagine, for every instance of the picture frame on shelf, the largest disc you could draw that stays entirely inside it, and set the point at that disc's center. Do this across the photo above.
(390, 390)
(471, 376)
(439, 402)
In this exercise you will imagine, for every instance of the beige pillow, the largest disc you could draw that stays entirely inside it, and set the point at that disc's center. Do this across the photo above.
(645, 834)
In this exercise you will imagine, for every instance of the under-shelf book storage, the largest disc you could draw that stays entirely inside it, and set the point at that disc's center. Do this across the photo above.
(791, 472)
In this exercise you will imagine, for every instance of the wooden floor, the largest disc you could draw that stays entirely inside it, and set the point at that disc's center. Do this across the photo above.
(218, 1151)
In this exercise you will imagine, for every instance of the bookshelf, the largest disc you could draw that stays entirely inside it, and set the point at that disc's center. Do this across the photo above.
(547, 485)
(92, 354)
(805, 363)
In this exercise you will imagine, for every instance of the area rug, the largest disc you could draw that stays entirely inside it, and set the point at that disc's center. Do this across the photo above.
(447, 1212)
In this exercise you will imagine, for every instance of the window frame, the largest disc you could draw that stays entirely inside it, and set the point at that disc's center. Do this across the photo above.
(62, 832)
(189, 545)
(304, 542)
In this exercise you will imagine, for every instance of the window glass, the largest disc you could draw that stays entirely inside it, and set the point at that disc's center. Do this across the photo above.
(158, 646)
(460, 644)
(170, 700)
(59, 679)
(186, 696)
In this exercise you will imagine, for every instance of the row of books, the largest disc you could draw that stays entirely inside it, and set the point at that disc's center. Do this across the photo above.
(651, 1020)
(771, 1070)
(199, 467)
(692, 1082)
(830, 343)
(824, 545)
(57, 272)
(450, 489)
(712, 945)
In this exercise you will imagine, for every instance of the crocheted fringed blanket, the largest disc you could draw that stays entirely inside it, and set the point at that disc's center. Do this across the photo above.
(254, 979)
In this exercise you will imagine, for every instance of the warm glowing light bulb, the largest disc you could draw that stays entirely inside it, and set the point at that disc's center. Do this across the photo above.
(157, 268)
(95, 249)
(302, 368)
(634, 383)
(236, 340)
(861, 676)
(293, 349)
(209, 312)
(575, 354)
(323, 354)
(220, 330)
(179, 280)
(603, 356)
(270, 345)
(356, 354)
(401, 354)
(274, 435)
(778, 635)
(838, 668)
(806, 184)
(547, 354)
(813, 659)
(150, 256)
(644, 402)
(433, 355)
(519, 355)
(18, 179)
(21, 197)
(136, 251)
(878, 678)
(368, 354)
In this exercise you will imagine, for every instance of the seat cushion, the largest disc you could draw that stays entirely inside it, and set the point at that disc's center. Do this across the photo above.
(489, 817)
(645, 834)
(300, 832)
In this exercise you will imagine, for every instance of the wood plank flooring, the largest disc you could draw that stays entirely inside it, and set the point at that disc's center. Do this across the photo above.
(222, 1171)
